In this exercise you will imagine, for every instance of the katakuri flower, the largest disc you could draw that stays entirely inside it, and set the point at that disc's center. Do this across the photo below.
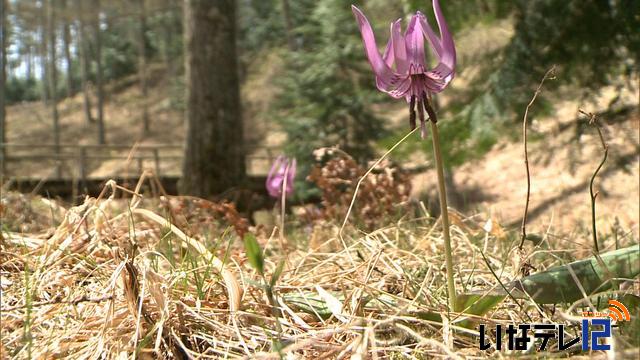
(402, 71)
(283, 169)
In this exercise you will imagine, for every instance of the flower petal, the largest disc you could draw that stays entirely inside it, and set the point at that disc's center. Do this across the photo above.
(274, 168)
(400, 90)
(383, 72)
(448, 47)
(436, 43)
(389, 54)
(443, 73)
(414, 42)
(399, 48)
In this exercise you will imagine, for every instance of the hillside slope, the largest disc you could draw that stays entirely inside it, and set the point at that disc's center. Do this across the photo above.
(564, 151)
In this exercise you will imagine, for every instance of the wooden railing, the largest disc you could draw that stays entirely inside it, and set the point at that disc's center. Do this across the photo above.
(65, 158)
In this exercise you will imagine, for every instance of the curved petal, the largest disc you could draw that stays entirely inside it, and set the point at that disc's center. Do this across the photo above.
(414, 43)
(399, 47)
(274, 168)
(436, 43)
(448, 57)
(444, 72)
(400, 90)
(434, 85)
(384, 73)
(274, 186)
(389, 53)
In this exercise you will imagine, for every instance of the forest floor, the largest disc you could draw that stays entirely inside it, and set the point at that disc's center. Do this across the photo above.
(170, 278)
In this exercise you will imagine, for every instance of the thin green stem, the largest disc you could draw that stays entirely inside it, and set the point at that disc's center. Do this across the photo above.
(283, 202)
(451, 288)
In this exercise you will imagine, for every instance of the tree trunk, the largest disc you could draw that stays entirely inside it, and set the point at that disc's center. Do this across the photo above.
(288, 25)
(66, 36)
(3, 74)
(53, 79)
(165, 32)
(44, 78)
(99, 85)
(29, 61)
(142, 65)
(83, 54)
(214, 154)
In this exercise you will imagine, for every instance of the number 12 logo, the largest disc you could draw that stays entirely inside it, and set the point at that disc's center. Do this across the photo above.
(595, 334)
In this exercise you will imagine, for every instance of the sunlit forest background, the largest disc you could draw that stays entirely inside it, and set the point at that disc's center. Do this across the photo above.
(203, 96)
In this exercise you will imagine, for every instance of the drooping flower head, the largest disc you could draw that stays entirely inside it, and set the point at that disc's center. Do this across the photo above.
(282, 170)
(402, 71)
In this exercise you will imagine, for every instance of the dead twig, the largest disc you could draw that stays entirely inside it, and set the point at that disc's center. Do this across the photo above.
(593, 121)
(548, 75)
(59, 300)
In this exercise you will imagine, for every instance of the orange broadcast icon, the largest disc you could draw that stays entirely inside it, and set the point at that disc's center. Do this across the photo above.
(618, 312)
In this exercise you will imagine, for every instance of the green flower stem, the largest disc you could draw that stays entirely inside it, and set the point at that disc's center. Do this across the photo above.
(451, 288)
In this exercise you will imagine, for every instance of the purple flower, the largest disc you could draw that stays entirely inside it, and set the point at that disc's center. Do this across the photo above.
(282, 168)
(402, 70)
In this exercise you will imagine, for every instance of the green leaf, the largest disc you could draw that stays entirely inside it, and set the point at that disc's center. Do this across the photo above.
(254, 253)
(276, 274)
(310, 303)
(558, 285)
(477, 304)
(536, 239)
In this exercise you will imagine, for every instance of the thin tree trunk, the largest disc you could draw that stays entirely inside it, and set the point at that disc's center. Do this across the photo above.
(44, 78)
(165, 31)
(101, 127)
(288, 25)
(29, 62)
(83, 53)
(214, 154)
(170, 31)
(3, 74)
(142, 65)
(53, 79)
(66, 36)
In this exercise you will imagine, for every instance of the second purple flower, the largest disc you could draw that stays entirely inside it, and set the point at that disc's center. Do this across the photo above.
(283, 169)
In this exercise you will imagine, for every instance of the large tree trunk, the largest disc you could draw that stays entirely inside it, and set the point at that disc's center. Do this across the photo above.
(142, 65)
(3, 74)
(66, 36)
(99, 79)
(83, 54)
(214, 155)
(53, 78)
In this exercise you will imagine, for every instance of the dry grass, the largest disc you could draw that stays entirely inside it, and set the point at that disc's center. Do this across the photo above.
(73, 290)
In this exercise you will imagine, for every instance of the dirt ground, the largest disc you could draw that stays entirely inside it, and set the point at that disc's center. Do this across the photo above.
(563, 155)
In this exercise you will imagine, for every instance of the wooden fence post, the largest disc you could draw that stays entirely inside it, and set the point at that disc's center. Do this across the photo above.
(156, 159)
(140, 159)
(83, 165)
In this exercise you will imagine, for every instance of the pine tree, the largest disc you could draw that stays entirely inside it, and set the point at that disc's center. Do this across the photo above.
(327, 94)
